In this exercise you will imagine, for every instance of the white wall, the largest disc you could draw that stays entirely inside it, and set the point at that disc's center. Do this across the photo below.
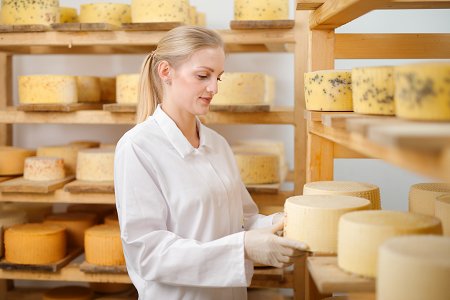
(394, 182)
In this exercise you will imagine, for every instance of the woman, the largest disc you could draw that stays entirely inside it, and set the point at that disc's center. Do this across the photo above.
(187, 221)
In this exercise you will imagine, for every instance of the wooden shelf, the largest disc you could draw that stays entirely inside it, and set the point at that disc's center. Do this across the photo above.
(394, 4)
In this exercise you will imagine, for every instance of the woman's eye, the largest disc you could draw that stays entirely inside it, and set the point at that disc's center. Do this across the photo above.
(202, 76)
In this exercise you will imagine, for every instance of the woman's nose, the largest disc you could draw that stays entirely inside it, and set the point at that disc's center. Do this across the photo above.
(212, 87)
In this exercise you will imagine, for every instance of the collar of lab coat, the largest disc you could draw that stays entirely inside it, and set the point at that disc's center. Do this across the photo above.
(176, 137)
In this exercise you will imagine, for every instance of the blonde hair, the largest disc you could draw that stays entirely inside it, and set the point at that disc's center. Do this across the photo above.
(175, 47)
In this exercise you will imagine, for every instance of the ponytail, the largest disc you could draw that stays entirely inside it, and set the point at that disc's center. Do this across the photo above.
(149, 96)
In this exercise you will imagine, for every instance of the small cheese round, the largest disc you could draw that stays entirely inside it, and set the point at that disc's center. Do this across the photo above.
(108, 89)
(143, 11)
(29, 12)
(95, 164)
(422, 196)
(68, 15)
(43, 168)
(103, 246)
(69, 293)
(12, 160)
(44, 89)
(127, 87)
(240, 89)
(258, 168)
(442, 211)
(112, 13)
(361, 233)
(261, 10)
(88, 89)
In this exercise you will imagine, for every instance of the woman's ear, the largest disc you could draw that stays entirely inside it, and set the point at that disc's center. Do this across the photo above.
(164, 72)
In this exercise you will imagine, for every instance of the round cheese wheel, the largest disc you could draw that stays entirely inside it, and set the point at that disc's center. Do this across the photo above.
(39, 89)
(261, 10)
(68, 15)
(103, 246)
(442, 211)
(88, 89)
(12, 160)
(25, 12)
(241, 88)
(8, 219)
(69, 293)
(95, 164)
(258, 168)
(422, 196)
(127, 87)
(112, 13)
(43, 168)
(160, 11)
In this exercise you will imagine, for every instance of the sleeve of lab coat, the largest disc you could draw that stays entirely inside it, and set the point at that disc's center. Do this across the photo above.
(157, 254)
(252, 218)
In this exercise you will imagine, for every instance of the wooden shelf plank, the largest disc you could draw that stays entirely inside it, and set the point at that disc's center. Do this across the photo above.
(394, 4)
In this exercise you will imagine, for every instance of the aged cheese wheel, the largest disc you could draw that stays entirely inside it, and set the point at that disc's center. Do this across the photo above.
(109, 288)
(35, 243)
(350, 188)
(112, 13)
(88, 89)
(103, 246)
(127, 86)
(442, 211)
(261, 9)
(69, 293)
(75, 224)
(160, 11)
(8, 219)
(362, 232)
(414, 268)
(108, 89)
(12, 160)
(38, 89)
(422, 91)
(422, 196)
(95, 164)
(241, 89)
(43, 168)
(68, 153)
(314, 219)
(68, 15)
(328, 90)
(373, 90)
(258, 168)
(111, 219)
(36, 212)
(22, 12)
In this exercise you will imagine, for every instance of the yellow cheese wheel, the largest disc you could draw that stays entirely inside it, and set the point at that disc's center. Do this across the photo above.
(69, 293)
(241, 88)
(36, 212)
(127, 86)
(68, 15)
(261, 9)
(43, 168)
(8, 219)
(160, 11)
(422, 91)
(313, 219)
(20, 12)
(109, 288)
(373, 90)
(103, 246)
(88, 89)
(442, 211)
(112, 13)
(38, 89)
(12, 160)
(95, 164)
(328, 90)
(361, 233)
(349, 188)
(422, 196)
(68, 153)
(108, 89)
(414, 268)
(35, 243)
(258, 168)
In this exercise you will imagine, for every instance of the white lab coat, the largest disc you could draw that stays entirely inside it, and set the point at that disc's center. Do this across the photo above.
(182, 212)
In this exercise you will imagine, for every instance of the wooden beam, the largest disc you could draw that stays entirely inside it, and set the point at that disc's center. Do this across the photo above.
(395, 4)
(5, 95)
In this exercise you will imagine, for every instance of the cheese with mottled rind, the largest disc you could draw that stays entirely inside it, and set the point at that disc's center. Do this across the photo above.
(127, 87)
(103, 246)
(261, 9)
(29, 12)
(143, 11)
(422, 196)
(112, 13)
(12, 160)
(258, 168)
(43, 168)
(50, 89)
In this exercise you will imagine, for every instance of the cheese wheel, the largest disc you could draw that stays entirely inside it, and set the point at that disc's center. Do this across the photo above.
(101, 210)
(127, 86)
(328, 90)
(422, 91)
(12, 160)
(442, 211)
(68, 15)
(422, 196)
(95, 164)
(373, 90)
(258, 168)
(75, 224)
(160, 11)
(414, 268)
(68, 153)
(361, 233)
(43, 168)
(35, 243)
(88, 89)
(241, 89)
(109, 288)
(108, 89)
(112, 13)
(36, 212)
(103, 246)
(261, 9)
(39, 89)
(349, 188)
(69, 293)
(23, 12)
(313, 219)
(111, 219)
(8, 219)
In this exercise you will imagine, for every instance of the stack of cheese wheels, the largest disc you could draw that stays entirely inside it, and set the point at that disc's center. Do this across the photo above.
(36, 212)
(75, 224)
(12, 160)
(313, 219)
(95, 164)
(111, 219)
(8, 219)
(69, 293)
(349, 188)
(421, 91)
(52, 89)
(143, 11)
(258, 168)
(108, 89)
(35, 243)
(100, 210)
(111, 13)
(88, 89)
(373, 90)
(261, 10)
(127, 87)
(422, 196)
(68, 15)
(43, 168)
(414, 268)
(68, 153)
(109, 288)
(24, 12)
(442, 211)
(361, 233)
(328, 90)
(103, 246)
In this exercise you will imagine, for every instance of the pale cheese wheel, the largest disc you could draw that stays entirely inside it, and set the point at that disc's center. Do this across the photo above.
(442, 211)
(373, 90)
(143, 11)
(69, 293)
(349, 188)
(103, 246)
(43, 168)
(111, 13)
(108, 89)
(241, 89)
(88, 89)
(68, 15)
(361, 233)
(422, 91)
(314, 219)
(35, 243)
(258, 168)
(12, 160)
(8, 219)
(422, 196)
(109, 288)
(68, 153)
(36, 212)
(414, 268)
(95, 164)
(47, 89)
(127, 87)
(111, 219)
(24, 12)
(261, 9)
(328, 90)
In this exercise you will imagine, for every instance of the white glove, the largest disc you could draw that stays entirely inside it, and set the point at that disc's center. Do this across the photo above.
(264, 247)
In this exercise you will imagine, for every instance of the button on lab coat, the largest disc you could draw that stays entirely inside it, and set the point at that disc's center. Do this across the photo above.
(182, 213)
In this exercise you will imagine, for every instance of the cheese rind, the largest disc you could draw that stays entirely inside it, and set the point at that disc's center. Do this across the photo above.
(241, 89)
(88, 89)
(40, 89)
(95, 164)
(127, 87)
(26, 12)
(160, 11)
(112, 13)
(103, 246)
(258, 168)
(442, 211)
(10, 218)
(422, 197)
(69, 293)
(68, 15)
(12, 160)
(261, 9)
(43, 168)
